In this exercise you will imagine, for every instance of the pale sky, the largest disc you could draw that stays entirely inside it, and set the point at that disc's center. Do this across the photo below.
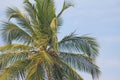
(98, 18)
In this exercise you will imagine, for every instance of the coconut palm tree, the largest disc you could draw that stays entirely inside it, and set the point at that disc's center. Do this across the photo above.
(33, 51)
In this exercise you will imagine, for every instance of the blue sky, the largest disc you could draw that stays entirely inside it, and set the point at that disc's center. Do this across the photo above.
(98, 18)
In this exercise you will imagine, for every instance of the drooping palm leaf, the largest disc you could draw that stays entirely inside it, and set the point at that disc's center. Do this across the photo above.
(7, 59)
(15, 71)
(14, 48)
(11, 32)
(62, 71)
(79, 44)
(81, 62)
(21, 19)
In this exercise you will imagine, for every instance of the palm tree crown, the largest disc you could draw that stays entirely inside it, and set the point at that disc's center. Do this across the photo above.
(33, 51)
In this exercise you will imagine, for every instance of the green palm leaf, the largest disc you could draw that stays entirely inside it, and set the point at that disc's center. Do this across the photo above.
(79, 44)
(14, 48)
(12, 32)
(45, 12)
(36, 72)
(31, 11)
(7, 59)
(62, 71)
(15, 71)
(81, 63)
(21, 19)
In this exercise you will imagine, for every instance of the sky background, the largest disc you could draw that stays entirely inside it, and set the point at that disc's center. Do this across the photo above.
(99, 19)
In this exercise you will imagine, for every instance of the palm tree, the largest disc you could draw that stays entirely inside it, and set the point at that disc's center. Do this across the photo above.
(33, 51)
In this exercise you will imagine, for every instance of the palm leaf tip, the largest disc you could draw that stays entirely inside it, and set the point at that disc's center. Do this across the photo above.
(67, 4)
(12, 12)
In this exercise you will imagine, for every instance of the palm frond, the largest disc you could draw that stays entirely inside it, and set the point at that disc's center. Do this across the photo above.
(36, 72)
(16, 71)
(7, 59)
(62, 71)
(79, 44)
(66, 5)
(12, 32)
(45, 11)
(81, 63)
(14, 48)
(21, 19)
(31, 11)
